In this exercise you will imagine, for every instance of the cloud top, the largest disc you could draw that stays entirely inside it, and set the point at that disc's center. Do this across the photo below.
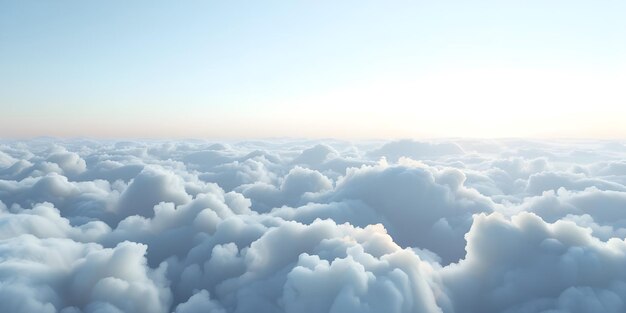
(312, 226)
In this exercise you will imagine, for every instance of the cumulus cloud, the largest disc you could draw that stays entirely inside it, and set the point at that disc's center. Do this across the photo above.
(421, 206)
(296, 188)
(527, 265)
(148, 188)
(53, 274)
(312, 226)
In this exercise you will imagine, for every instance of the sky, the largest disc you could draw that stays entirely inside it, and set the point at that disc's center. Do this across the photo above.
(342, 69)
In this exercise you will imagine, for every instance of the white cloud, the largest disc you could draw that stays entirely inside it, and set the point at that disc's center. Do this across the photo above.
(312, 226)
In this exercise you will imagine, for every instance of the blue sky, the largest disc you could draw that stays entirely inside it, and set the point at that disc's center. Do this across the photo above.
(348, 69)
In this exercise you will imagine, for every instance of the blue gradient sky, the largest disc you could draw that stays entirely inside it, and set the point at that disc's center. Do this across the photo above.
(347, 69)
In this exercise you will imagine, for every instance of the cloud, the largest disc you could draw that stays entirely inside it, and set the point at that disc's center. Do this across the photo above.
(70, 163)
(527, 265)
(415, 150)
(50, 275)
(421, 206)
(6, 160)
(324, 267)
(312, 226)
(45, 221)
(149, 188)
(296, 188)
(538, 183)
(200, 303)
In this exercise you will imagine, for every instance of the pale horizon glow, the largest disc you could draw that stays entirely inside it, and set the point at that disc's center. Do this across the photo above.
(350, 70)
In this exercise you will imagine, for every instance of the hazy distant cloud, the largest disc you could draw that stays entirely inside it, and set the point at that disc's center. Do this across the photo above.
(544, 181)
(312, 226)
(316, 155)
(416, 150)
(6, 160)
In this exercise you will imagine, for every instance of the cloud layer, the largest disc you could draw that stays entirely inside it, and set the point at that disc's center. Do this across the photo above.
(312, 226)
